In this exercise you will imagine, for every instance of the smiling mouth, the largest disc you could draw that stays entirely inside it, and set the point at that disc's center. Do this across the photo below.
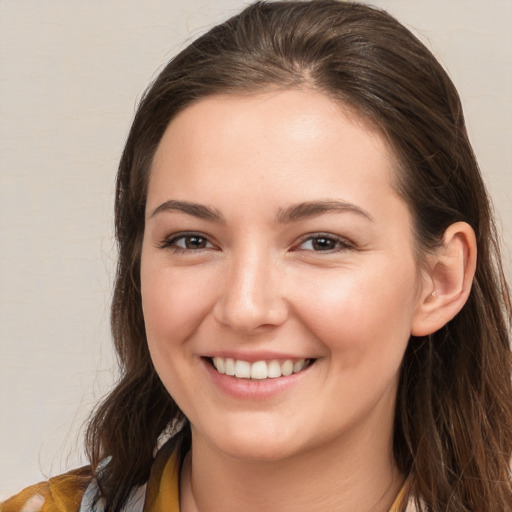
(259, 370)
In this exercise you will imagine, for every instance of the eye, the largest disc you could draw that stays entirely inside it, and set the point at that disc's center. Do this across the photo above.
(186, 242)
(323, 243)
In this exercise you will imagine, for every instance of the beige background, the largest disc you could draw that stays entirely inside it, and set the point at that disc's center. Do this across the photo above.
(71, 72)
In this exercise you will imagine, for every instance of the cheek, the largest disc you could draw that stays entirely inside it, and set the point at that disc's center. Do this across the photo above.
(361, 314)
(173, 304)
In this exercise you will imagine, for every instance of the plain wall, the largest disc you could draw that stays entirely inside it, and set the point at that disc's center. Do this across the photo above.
(70, 74)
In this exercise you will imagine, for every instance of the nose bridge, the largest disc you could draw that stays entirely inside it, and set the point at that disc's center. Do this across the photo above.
(251, 297)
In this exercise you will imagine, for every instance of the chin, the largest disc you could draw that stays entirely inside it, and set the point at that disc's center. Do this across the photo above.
(259, 450)
(265, 443)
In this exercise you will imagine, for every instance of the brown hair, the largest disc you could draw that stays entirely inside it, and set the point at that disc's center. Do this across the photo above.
(453, 423)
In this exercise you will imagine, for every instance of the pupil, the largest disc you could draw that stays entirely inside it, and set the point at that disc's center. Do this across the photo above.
(323, 244)
(195, 242)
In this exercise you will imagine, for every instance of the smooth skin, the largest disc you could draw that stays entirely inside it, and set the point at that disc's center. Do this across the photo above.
(273, 229)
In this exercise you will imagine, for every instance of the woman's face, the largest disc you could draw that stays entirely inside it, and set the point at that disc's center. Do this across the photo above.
(276, 248)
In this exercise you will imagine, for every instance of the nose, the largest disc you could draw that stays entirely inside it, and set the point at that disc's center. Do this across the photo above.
(251, 298)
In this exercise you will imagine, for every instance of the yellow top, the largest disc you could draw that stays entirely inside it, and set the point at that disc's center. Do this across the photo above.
(64, 493)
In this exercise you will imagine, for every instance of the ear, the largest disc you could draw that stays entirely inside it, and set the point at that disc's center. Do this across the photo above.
(447, 281)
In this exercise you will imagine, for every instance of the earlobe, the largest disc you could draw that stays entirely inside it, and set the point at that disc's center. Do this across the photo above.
(448, 280)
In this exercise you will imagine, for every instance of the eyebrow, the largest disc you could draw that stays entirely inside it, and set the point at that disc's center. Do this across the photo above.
(196, 210)
(314, 208)
(290, 214)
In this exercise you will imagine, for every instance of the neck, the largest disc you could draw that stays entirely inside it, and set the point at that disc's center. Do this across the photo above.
(356, 473)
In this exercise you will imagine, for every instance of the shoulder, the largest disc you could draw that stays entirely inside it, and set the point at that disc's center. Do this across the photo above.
(59, 494)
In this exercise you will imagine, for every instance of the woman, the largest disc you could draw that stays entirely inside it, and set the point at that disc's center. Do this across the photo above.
(301, 317)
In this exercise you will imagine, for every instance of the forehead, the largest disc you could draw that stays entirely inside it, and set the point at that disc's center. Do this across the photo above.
(276, 132)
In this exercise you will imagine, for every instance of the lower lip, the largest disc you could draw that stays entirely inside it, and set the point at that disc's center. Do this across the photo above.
(253, 389)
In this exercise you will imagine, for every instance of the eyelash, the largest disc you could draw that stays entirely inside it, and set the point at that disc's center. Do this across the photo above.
(171, 242)
(340, 244)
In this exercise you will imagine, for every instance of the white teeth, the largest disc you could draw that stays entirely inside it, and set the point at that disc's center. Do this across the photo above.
(218, 362)
(258, 370)
(229, 366)
(298, 365)
(287, 368)
(274, 369)
(242, 369)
